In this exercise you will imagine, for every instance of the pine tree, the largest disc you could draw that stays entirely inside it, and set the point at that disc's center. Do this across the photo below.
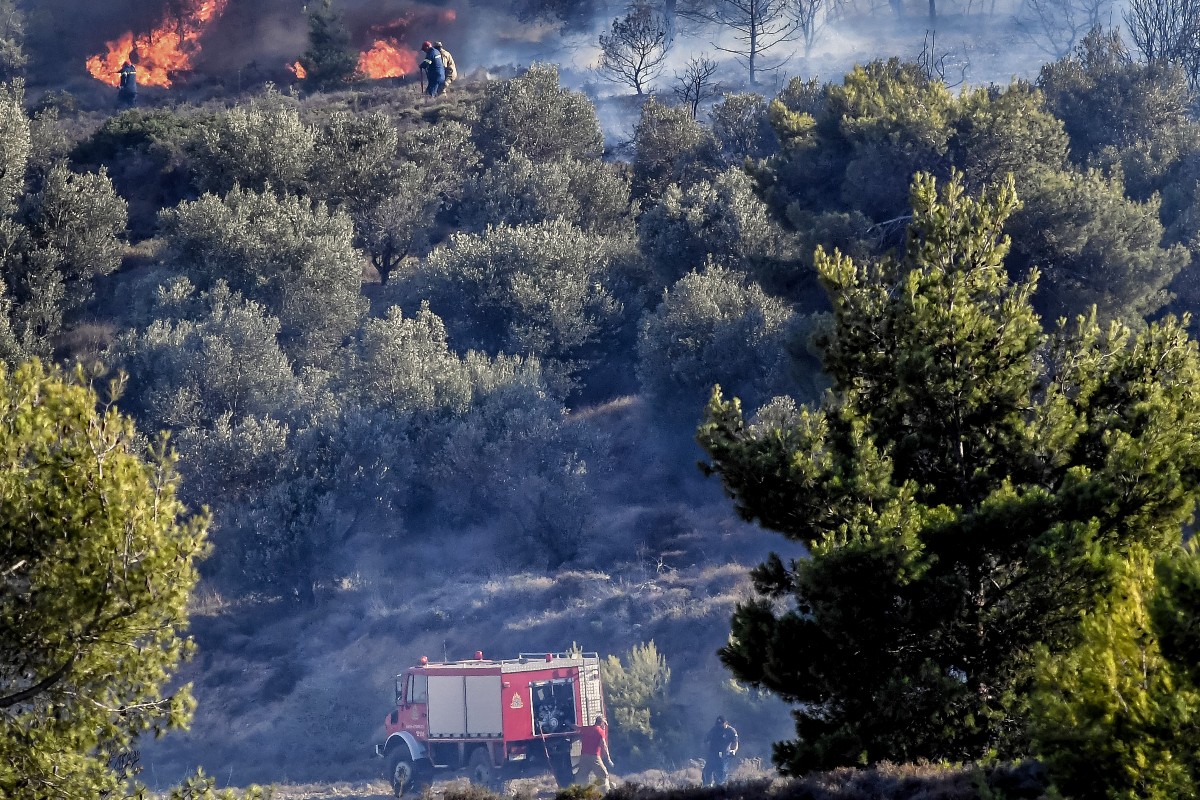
(961, 494)
(97, 561)
(1118, 716)
(329, 60)
(638, 700)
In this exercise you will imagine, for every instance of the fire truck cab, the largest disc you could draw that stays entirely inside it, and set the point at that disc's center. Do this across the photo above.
(493, 718)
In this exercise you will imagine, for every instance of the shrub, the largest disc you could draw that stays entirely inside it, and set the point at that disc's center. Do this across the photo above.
(713, 327)
(645, 723)
(535, 116)
(541, 290)
(670, 147)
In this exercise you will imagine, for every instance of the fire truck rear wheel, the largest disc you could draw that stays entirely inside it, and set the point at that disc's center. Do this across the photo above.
(561, 766)
(481, 769)
(401, 771)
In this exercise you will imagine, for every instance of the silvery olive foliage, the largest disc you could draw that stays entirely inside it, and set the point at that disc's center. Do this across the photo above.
(742, 127)
(457, 158)
(81, 219)
(258, 145)
(353, 156)
(294, 257)
(670, 146)
(206, 355)
(15, 143)
(590, 194)
(714, 326)
(722, 218)
(536, 290)
(534, 115)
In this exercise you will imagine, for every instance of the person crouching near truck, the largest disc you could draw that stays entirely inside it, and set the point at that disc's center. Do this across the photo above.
(593, 745)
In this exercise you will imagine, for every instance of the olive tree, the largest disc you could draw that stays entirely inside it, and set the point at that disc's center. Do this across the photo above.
(535, 116)
(81, 218)
(15, 143)
(723, 218)
(542, 290)
(670, 146)
(714, 327)
(204, 357)
(294, 257)
(12, 41)
(262, 143)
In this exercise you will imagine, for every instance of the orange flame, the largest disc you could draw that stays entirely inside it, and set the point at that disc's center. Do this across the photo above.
(166, 50)
(449, 15)
(387, 58)
(299, 71)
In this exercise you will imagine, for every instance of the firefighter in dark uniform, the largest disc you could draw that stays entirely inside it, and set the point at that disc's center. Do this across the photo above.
(434, 68)
(720, 745)
(127, 93)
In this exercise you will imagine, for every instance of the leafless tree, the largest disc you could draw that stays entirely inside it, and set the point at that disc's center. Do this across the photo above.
(696, 84)
(936, 64)
(759, 25)
(1168, 32)
(1057, 26)
(811, 15)
(634, 52)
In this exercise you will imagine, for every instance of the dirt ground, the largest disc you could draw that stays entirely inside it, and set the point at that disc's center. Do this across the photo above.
(373, 790)
(524, 788)
(533, 788)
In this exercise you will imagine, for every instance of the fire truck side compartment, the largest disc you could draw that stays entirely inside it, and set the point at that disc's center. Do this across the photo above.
(450, 697)
(484, 716)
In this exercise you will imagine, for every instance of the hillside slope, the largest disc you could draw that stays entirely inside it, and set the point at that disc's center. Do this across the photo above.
(294, 694)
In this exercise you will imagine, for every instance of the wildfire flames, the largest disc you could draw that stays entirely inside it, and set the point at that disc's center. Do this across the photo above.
(299, 71)
(389, 56)
(165, 51)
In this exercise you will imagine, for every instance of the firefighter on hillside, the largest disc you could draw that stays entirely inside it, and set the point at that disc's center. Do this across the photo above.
(434, 68)
(127, 93)
(720, 745)
(448, 60)
(593, 743)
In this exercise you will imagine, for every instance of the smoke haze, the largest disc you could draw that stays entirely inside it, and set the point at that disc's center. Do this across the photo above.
(259, 39)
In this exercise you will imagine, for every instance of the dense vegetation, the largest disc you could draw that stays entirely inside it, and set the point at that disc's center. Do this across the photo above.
(367, 325)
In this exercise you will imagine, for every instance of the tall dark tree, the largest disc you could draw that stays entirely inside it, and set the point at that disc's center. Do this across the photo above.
(961, 494)
(329, 60)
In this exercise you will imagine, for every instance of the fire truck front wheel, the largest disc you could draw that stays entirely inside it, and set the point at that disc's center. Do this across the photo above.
(401, 771)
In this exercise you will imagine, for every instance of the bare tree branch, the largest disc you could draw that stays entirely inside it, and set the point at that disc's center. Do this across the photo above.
(695, 82)
(759, 25)
(1168, 32)
(634, 51)
(1057, 26)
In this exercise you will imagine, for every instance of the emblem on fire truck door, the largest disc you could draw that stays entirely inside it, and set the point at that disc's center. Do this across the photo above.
(516, 701)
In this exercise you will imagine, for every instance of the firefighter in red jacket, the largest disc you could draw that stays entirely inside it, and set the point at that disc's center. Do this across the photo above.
(593, 742)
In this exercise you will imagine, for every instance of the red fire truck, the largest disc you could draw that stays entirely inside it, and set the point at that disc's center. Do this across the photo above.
(495, 718)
